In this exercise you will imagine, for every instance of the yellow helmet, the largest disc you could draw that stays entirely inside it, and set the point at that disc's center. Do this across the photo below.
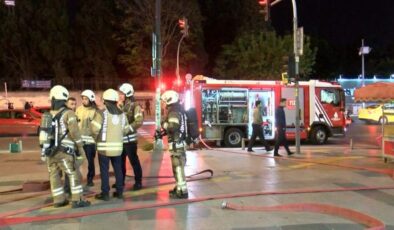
(110, 95)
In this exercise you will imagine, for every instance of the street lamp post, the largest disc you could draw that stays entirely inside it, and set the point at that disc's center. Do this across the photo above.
(297, 61)
(156, 71)
(297, 48)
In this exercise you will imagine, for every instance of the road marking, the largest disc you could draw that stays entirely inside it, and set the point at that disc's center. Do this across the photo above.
(329, 160)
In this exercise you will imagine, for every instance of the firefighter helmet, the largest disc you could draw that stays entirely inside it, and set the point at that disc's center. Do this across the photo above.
(127, 89)
(110, 95)
(89, 94)
(58, 92)
(170, 97)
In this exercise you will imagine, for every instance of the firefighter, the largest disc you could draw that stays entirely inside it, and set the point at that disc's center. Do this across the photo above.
(110, 144)
(175, 127)
(90, 121)
(60, 144)
(135, 118)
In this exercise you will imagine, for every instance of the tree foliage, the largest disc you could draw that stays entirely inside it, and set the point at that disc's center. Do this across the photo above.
(135, 36)
(260, 55)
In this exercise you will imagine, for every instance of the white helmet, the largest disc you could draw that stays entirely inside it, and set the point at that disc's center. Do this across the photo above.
(170, 97)
(89, 94)
(58, 92)
(127, 89)
(110, 95)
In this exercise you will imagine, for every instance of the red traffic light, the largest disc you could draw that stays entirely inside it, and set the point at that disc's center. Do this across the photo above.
(182, 23)
(263, 2)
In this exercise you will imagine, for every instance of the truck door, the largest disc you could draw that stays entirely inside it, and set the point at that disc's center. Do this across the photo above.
(290, 110)
(267, 98)
(330, 107)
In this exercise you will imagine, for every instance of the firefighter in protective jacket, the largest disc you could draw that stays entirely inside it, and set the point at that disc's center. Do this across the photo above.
(67, 141)
(175, 126)
(89, 122)
(135, 118)
(110, 144)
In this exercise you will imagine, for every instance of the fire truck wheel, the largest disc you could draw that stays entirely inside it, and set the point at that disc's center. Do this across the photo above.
(319, 135)
(233, 137)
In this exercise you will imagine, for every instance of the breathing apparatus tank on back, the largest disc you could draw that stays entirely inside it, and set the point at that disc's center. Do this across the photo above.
(45, 136)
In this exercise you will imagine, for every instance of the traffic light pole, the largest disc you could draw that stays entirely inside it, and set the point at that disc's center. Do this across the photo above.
(297, 90)
(157, 71)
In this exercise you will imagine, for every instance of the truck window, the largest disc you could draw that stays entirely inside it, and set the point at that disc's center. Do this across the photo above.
(330, 96)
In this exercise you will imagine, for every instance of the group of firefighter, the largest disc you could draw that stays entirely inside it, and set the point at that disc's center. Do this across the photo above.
(68, 138)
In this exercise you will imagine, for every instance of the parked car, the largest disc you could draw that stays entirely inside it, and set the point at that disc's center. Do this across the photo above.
(18, 121)
(40, 109)
(374, 113)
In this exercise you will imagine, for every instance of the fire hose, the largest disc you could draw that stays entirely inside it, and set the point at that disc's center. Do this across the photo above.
(6, 219)
(371, 222)
(389, 172)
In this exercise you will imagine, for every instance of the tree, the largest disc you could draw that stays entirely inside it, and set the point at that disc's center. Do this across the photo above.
(260, 56)
(135, 36)
(18, 44)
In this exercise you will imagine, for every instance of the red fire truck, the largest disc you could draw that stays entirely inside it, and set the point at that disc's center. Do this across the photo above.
(225, 107)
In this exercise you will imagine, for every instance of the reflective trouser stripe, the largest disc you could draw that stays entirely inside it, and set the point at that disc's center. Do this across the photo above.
(57, 191)
(177, 145)
(76, 189)
(68, 170)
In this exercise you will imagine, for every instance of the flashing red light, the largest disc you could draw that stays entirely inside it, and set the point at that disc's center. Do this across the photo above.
(182, 23)
(262, 2)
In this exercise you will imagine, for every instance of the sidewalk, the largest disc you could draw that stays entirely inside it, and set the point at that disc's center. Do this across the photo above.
(239, 176)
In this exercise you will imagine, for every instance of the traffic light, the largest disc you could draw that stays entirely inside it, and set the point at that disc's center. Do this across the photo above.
(288, 67)
(266, 5)
(285, 78)
(184, 26)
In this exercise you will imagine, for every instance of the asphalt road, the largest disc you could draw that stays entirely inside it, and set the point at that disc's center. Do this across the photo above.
(359, 132)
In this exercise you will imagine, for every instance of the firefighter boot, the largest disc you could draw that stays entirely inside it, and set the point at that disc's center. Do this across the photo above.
(178, 193)
(80, 204)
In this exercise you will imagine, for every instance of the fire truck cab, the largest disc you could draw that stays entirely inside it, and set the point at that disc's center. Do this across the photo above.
(225, 107)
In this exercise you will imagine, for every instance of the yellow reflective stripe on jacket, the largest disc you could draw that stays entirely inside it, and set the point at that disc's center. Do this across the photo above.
(173, 120)
(87, 139)
(71, 119)
(95, 123)
(109, 146)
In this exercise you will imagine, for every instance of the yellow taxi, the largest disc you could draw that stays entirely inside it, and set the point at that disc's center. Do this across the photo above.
(374, 113)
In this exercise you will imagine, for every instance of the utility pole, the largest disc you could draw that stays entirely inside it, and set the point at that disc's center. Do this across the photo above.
(297, 90)
(156, 69)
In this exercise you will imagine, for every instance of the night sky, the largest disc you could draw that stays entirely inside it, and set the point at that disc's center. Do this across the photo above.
(335, 26)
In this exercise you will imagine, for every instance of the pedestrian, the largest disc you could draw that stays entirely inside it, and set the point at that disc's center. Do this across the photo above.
(27, 105)
(110, 144)
(90, 121)
(257, 129)
(62, 156)
(135, 119)
(280, 120)
(71, 103)
(147, 107)
(175, 127)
